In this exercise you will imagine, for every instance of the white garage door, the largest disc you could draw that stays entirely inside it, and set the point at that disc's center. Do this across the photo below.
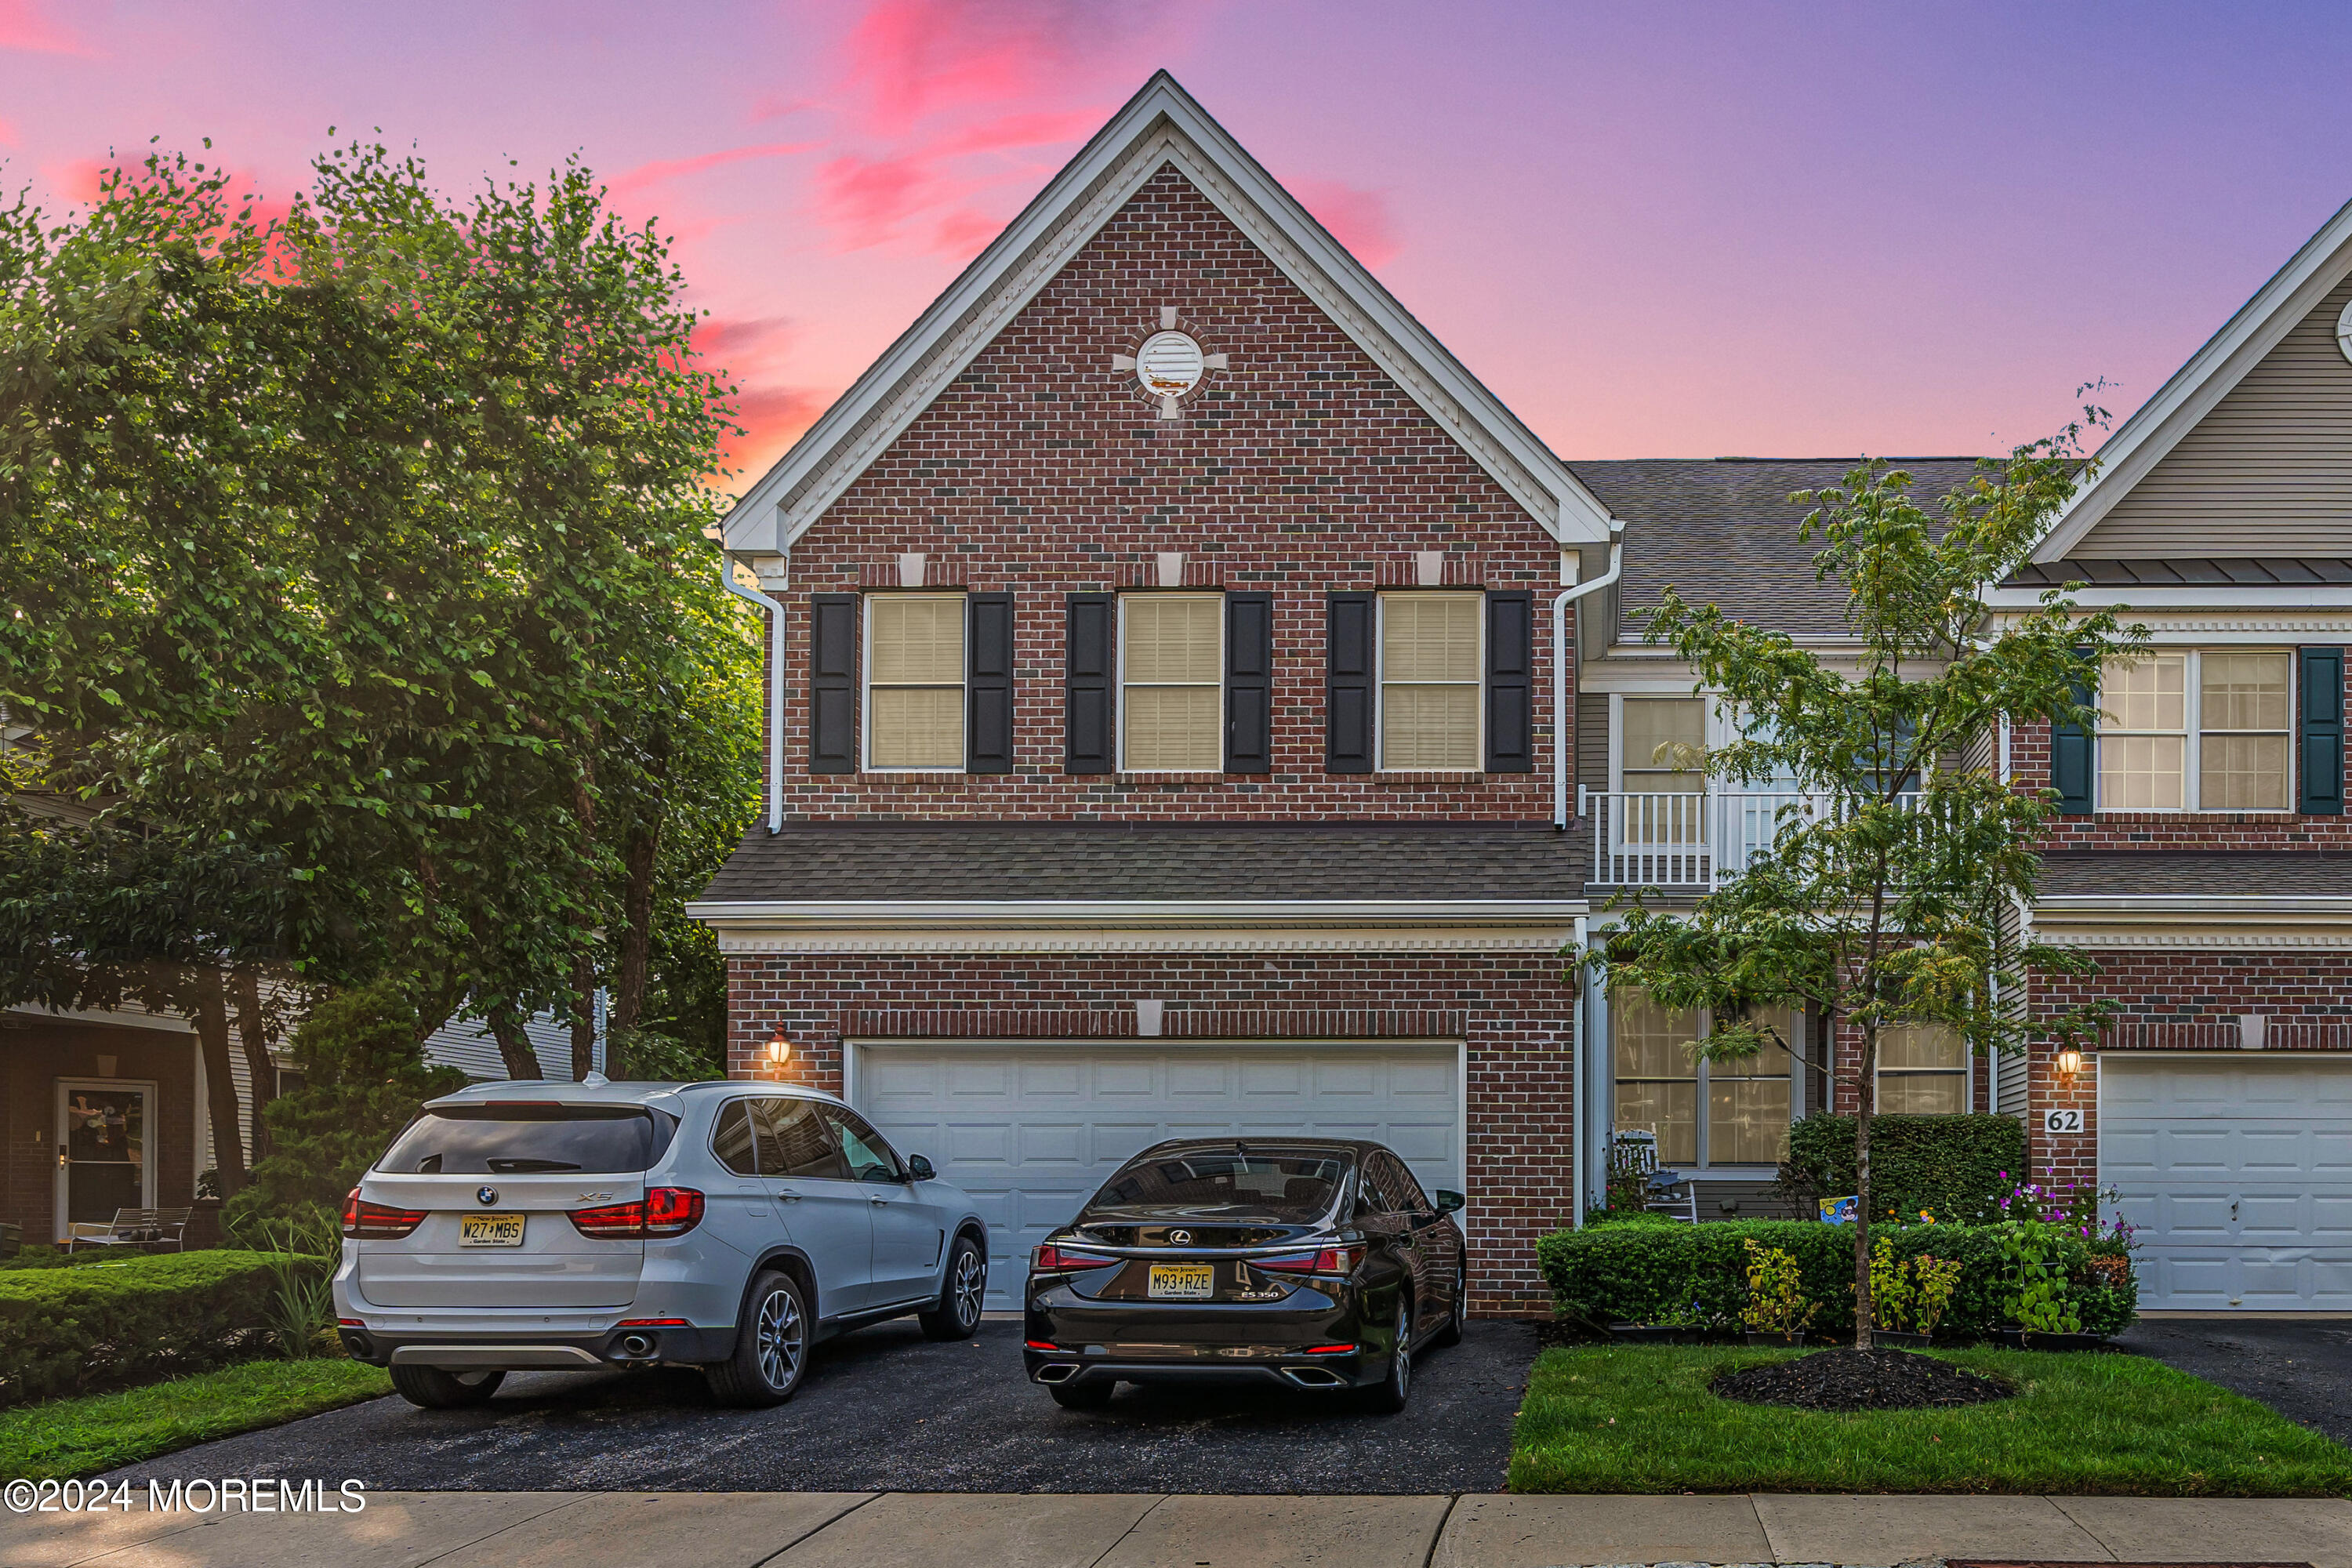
(1031, 1130)
(2239, 1173)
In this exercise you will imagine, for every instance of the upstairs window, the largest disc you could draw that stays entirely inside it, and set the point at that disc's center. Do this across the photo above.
(1430, 660)
(2196, 731)
(915, 684)
(1171, 666)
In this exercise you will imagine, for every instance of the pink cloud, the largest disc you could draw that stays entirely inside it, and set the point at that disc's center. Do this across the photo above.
(773, 418)
(23, 26)
(911, 59)
(7, 133)
(1357, 218)
(631, 182)
(869, 199)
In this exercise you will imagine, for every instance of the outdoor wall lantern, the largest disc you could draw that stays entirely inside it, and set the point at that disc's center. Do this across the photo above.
(2070, 1062)
(780, 1050)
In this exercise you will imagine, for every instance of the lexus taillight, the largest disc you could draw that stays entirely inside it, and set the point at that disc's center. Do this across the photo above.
(1330, 1260)
(376, 1221)
(663, 1210)
(1050, 1259)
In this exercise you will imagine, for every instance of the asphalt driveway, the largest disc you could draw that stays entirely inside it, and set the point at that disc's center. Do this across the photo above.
(885, 1409)
(2301, 1368)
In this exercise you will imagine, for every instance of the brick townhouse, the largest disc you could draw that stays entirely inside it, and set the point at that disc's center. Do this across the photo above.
(1196, 703)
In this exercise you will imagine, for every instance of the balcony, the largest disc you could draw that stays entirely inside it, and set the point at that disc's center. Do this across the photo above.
(1689, 842)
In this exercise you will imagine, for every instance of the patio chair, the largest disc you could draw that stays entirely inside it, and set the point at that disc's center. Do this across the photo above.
(132, 1228)
(1672, 1196)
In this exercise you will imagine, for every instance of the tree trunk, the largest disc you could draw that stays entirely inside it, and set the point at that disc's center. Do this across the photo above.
(641, 859)
(1865, 1107)
(253, 1034)
(220, 1084)
(514, 1046)
(583, 1016)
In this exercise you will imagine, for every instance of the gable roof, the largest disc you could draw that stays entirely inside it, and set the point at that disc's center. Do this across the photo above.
(1160, 126)
(2160, 423)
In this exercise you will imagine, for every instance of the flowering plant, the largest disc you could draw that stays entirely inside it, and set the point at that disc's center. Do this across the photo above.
(2076, 1207)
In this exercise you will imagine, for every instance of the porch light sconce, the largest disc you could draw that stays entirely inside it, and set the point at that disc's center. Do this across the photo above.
(2070, 1062)
(780, 1050)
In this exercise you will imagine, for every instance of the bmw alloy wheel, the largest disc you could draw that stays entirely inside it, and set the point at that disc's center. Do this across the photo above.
(970, 1283)
(782, 1340)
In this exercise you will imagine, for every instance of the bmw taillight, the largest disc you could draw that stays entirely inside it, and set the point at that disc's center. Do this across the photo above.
(378, 1222)
(663, 1210)
(1051, 1259)
(1330, 1260)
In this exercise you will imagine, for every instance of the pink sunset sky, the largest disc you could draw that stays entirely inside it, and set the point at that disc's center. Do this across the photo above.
(1653, 230)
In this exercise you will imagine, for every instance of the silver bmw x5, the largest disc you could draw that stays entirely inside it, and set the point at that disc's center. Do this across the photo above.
(574, 1226)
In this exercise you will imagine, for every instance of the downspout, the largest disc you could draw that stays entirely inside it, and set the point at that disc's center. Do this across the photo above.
(1583, 1120)
(775, 613)
(1561, 726)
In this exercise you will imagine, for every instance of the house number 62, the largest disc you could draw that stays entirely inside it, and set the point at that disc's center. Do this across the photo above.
(2062, 1121)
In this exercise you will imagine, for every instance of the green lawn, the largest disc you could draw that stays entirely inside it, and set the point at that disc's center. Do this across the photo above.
(1639, 1419)
(66, 1437)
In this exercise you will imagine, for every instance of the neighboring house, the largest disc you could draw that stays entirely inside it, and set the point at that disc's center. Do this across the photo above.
(1165, 736)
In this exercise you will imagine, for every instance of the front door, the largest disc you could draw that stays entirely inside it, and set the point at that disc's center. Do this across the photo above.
(105, 1150)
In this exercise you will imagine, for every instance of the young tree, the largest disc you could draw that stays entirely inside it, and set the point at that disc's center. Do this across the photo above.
(1887, 897)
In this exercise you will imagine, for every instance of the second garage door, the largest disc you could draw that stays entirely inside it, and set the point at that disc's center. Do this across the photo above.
(1031, 1130)
(2238, 1173)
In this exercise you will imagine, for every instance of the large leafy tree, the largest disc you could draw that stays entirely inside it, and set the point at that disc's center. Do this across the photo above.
(1887, 897)
(365, 548)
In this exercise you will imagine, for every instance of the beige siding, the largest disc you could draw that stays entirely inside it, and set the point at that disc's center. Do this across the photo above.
(1593, 739)
(2267, 472)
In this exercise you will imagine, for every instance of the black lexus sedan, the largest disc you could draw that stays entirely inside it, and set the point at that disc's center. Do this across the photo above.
(1311, 1263)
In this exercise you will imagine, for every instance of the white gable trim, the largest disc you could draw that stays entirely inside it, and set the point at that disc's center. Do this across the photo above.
(2292, 293)
(1161, 125)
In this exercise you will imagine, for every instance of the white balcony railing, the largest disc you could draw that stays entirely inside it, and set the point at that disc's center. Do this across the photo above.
(1689, 840)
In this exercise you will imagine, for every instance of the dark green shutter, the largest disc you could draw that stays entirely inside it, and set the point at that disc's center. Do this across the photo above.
(832, 683)
(1348, 683)
(1088, 735)
(988, 696)
(2323, 731)
(1510, 683)
(1249, 683)
(2071, 772)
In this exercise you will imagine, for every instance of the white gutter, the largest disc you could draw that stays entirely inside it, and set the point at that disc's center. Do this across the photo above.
(775, 687)
(1561, 726)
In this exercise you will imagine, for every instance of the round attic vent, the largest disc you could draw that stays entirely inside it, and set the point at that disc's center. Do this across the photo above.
(2344, 332)
(1169, 364)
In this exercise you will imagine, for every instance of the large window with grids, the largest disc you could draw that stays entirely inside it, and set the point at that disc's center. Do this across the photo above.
(1430, 664)
(2197, 729)
(915, 680)
(1923, 1070)
(1703, 1114)
(1172, 676)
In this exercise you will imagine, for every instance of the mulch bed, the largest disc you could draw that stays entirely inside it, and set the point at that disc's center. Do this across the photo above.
(1860, 1380)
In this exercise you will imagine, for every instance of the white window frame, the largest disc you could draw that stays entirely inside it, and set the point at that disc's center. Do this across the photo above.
(1119, 671)
(866, 679)
(1792, 1030)
(2192, 713)
(1381, 675)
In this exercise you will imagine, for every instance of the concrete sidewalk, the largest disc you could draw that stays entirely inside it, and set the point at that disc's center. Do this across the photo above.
(924, 1530)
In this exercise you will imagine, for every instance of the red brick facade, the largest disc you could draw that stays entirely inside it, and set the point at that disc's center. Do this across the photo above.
(2173, 830)
(1513, 1011)
(34, 1053)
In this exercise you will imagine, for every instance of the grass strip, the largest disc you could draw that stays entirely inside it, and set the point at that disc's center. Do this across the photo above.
(1640, 1418)
(61, 1439)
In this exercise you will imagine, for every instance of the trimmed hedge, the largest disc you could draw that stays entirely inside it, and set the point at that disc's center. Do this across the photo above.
(1957, 1168)
(1648, 1274)
(63, 1331)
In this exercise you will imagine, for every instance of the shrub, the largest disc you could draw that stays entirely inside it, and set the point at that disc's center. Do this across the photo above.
(1957, 1168)
(63, 1331)
(1649, 1274)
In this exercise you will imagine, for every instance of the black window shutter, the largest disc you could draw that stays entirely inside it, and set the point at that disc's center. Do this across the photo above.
(1348, 684)
(1087, 732)
(1249, 683)
(1510, 683)
(2323, 731)
(988, 693)
(2071, 770)
(832, 683)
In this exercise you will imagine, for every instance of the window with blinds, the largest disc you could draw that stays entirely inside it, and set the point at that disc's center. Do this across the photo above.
(2200, 730)
(1923, 1070)
(1704, 1114)
(915, 680)
(1431, 663)
(1171, 678)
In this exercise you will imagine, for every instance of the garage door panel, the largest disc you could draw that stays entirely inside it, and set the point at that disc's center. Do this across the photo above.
(2239, 1174)
(1037, 1130)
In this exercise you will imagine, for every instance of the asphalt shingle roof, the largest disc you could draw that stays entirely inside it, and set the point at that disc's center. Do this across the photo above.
(1722, 531)
(2220, 873)
(998, 861)
(2231, 572)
